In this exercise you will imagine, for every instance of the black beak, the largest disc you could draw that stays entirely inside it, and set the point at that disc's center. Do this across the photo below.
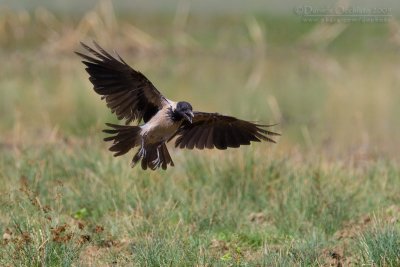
(189, 116)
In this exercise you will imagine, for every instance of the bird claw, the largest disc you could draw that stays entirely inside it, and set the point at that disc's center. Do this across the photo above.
(157, 162)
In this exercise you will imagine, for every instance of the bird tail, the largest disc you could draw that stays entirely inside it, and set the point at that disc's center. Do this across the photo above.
(124, 138)
(127, 137)
(153, 156)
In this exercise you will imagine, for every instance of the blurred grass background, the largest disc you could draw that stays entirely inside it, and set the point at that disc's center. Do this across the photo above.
(327, 193)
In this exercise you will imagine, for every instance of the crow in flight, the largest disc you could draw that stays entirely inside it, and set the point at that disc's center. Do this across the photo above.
(132, 97)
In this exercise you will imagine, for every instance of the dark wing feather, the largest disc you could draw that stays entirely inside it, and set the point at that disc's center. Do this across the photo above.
(128, 93)
(209, 130)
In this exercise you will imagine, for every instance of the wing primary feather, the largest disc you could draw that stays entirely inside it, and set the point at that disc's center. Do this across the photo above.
(105, 53)
(230, 138)
(110, 75)
(186, 137)
(94, 52)
(209, 140)
(202, 140)
(195, 137)
(219, 139)
(90, 59)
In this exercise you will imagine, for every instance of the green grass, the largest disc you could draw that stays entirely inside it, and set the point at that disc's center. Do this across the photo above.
(380, 246)
(201, 212)
(327, 193)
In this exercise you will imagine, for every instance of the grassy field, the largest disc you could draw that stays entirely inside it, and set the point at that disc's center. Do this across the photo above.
(327, 194)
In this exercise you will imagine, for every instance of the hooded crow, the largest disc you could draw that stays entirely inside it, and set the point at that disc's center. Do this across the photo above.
(132, 97)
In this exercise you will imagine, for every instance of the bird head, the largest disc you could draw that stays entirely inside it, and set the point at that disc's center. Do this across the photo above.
(185, 111)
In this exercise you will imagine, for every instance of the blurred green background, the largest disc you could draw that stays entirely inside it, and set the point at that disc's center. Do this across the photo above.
(326, 193)
(329, 85)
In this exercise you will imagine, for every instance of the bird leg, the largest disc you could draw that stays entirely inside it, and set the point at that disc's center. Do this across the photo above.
(142, 150)
(157, 161)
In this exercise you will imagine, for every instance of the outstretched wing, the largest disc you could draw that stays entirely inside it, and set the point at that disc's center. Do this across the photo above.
(209, 130)
(128, 93)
